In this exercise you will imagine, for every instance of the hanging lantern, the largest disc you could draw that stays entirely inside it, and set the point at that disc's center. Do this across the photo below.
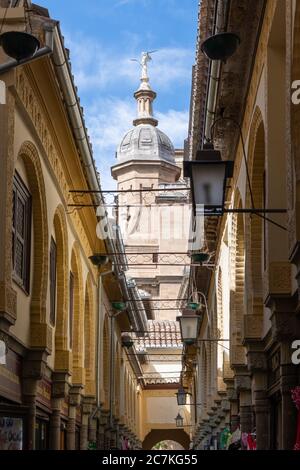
(179, 421)
(193, 305)
(181, 396)
(221, 46)
(98, 259)
(208, 175)
(19, 45)
(189, 326)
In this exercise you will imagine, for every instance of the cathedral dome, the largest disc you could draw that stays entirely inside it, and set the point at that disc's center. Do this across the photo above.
(146, 142)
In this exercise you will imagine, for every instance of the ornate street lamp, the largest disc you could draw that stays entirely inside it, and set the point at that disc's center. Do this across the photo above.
(179, 421)
(220, 46)
(208, 175)
(181, 396)
(189, 326)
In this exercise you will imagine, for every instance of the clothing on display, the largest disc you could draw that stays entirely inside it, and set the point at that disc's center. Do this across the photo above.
(296, 400)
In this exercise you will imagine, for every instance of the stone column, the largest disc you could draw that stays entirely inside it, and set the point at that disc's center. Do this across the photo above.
(233, 404)
(84, 432)
(285, 329)
(29, 400)
(103, 438)
(55, 424)
(243, 386)
(74, 402)
(88, 404)
(71, 427)
(33, 370)
(289, 380)
(60, 390)
(92, 432)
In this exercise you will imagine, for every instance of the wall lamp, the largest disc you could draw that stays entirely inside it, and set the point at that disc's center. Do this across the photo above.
(189, 323)
(209, 174)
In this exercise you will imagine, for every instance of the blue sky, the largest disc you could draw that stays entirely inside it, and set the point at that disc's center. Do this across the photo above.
(103, 35)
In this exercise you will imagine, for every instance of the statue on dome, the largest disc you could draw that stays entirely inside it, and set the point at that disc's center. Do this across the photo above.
(145, 58)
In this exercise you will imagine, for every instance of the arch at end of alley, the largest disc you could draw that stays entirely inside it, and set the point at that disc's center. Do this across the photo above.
(159, 435)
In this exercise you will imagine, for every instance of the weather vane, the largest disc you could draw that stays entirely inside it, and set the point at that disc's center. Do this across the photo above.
(145, 58)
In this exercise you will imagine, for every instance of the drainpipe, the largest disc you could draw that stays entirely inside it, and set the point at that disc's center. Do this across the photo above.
(214, 71)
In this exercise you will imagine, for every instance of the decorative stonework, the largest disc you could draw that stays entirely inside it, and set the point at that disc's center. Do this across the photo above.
(256, 361)
(237, 355)
(280, 279)
(89, 337)
(78, 375)
(41, 336)
(253, 325)
(242, 382)
(48, 141)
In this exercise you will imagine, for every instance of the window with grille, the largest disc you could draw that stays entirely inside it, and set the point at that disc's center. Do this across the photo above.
(21, 228)
(52, 281)
(71, 308)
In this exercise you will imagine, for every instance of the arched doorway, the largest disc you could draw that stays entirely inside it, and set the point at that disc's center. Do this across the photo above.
(168, 445)
(157, 436)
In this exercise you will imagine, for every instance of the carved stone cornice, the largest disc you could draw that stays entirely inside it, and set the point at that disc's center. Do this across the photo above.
(242, 379)
(285, 322)
(256, 357)
(237, 355)
(35, 365)
(60, 385)
(48, 139)
(75, 395)
(253, 327)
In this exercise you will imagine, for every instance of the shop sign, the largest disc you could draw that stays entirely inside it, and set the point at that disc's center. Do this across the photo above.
(11, 433)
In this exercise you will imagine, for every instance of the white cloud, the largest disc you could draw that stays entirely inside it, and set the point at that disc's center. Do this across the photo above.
(175, 125)
(97, 67)
(108, 120)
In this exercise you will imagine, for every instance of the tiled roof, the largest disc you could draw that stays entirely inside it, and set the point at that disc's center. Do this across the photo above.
(161, 334)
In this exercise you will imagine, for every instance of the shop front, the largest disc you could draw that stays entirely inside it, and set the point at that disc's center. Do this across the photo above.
(13, 415)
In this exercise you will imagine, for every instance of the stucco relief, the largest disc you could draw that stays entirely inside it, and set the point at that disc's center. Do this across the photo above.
(36, 114)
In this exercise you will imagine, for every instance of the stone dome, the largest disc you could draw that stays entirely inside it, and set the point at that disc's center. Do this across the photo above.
(146, 142)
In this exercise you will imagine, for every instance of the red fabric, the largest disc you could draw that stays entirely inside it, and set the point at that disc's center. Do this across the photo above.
(251, 442)
(296, 400)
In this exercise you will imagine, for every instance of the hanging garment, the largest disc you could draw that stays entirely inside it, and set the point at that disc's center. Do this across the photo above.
(224, 438)
(251, 441)
(235, 443)
(296, 400)
(244, 440)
